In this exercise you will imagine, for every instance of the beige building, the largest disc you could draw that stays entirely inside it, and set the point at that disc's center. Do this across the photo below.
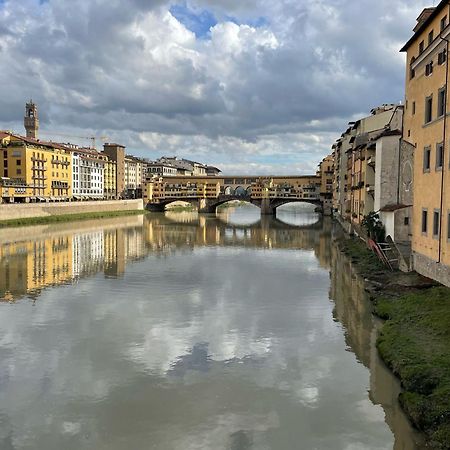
(365, 178)
(426, 128)
(116, 153)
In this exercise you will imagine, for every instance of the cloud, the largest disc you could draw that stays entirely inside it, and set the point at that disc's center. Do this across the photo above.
(204, 71)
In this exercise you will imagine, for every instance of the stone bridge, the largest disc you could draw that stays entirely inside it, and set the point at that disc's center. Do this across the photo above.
(268, 206)
(207, 193)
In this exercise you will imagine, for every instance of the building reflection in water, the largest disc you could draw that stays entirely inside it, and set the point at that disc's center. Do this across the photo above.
(58, 254)
(353, 310)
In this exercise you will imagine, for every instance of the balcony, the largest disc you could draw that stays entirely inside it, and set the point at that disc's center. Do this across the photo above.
(34, 158)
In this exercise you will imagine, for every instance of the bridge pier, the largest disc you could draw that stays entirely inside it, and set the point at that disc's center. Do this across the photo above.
(267, 208)
(155, 207)
(206, 206)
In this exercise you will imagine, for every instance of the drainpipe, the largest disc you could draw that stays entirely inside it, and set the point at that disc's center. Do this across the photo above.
(444, 146)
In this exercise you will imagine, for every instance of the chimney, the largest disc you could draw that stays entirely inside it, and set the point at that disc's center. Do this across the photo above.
(424, 15)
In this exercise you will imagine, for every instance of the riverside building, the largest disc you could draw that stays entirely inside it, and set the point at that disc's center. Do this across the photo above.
(426, 128)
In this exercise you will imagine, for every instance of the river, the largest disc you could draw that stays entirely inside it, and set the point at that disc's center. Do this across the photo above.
(179, 332)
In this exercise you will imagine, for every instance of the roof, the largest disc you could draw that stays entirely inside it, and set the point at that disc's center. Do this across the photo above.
(394, 207)
(421, 26)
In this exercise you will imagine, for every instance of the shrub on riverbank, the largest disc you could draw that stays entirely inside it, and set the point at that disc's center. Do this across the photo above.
(415, 343)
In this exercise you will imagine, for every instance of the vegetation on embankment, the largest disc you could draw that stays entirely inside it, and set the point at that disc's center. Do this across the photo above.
(414, 340)
(415, 344)
(66, 218)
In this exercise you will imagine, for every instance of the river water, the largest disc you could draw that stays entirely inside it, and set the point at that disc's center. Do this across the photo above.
(178, 331)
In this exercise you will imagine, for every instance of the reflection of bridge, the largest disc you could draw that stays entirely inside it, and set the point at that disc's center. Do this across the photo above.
(207, 193)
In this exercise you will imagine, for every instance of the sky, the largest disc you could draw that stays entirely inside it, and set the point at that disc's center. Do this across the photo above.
(254, 86)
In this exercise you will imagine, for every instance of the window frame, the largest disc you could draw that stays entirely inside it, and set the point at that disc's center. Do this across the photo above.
(439, 155)
(426, 158)
(424, 226)
(429, 109)
(436, 223)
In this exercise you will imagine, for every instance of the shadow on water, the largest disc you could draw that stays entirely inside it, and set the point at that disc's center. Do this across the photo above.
(231, 335)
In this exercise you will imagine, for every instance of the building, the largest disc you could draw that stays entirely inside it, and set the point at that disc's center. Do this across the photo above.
(109, 178)
(31, 120)
(33, 170)
(88, 166)
(116, 153)
(365, 176)
(426, 129)
(160, 169)
(185, 167)
(212, 171)
(325, 172)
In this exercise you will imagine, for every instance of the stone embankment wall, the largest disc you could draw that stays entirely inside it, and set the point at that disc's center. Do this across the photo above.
(20, 211)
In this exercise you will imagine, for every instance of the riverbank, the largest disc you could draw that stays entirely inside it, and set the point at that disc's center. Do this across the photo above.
(66, 218)
(414, 340)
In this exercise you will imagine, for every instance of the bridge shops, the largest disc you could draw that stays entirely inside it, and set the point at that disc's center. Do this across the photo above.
(207, 192)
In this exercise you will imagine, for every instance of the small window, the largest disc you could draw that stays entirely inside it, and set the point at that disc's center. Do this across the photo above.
(448, 226)
(428, 109)
(430, 37)
(439, 156)
(426, 159)
(429, 69)
(19, 171)
(442, 57)
(406, 221)
(436, 222)
(424, 221)
(441, 102)
(443, 22)
(421, 47)
(18, 162)
(413, 108)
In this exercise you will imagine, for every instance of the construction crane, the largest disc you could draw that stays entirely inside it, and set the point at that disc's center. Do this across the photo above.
(91, 138)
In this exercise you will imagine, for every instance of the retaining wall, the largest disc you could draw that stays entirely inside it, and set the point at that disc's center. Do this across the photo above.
(20, 211)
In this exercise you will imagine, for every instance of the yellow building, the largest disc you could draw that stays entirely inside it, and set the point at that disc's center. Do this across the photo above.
(109, 182)
(32, 170)
(426, 127)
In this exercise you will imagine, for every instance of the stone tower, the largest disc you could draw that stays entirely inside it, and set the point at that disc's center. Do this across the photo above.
(31, 120)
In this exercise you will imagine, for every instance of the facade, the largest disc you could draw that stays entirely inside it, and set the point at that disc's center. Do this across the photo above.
(426, 129)
(160, 169)
(109, 179)
(116, 153)
(366, 164)
(325, 172)
(33, 170)
(88, 167)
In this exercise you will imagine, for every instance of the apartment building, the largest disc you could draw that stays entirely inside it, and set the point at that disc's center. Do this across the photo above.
(88, 168)
(426, 128)
(32, 170)
(366, 164)
(116, 153)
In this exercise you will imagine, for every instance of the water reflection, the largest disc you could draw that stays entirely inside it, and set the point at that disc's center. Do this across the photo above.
(179, 331)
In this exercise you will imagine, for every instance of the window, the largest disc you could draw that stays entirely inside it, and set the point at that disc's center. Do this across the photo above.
(426, 159)
(441, 102)
(442, 57)
(19, 171)
(436, 222)
(439, 156)
(430, 37)
(443, 22)
(429, 69)
(406, 221)
(421, 47)
(18, 162)
(424, 221)
(448, 226)
(414, 108)
(428, 109)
